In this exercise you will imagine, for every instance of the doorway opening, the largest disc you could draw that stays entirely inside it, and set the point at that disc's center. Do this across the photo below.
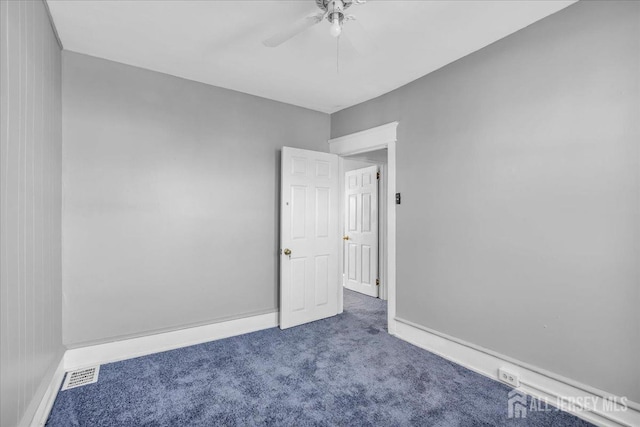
(370, 144)
(365, 217)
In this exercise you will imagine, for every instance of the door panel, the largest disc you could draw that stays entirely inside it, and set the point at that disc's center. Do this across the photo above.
(361, 219)
(366, 264)
(322, 280)
(309, 276)
(323, 213)
(298, 214)
(353, 211)
(298, 283)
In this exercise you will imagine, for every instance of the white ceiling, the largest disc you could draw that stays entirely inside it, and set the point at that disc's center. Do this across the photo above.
(220, 42)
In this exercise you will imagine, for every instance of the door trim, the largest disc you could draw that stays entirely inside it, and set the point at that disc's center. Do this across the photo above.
(377, 138)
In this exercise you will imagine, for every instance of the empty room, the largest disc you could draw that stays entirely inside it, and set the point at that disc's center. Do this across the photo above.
(320, 213)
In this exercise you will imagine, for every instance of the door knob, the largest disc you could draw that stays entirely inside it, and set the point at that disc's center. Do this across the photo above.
(345, 238)
(287, 251)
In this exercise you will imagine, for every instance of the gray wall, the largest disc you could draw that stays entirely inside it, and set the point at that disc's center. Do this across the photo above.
(30, 153)
(519, 168)
(171, 192)
(377, 156)
(353, 164)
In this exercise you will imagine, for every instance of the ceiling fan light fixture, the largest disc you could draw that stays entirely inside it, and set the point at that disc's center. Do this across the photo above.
(336, 28)
(335, 15)
(331, 10)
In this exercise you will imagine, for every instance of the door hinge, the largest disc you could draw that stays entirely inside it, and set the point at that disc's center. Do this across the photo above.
(377, 175)
(377, 282)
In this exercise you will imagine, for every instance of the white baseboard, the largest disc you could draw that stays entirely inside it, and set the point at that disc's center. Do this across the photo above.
(82, 357)
(46, 403)
(126, 349)
(534, 381)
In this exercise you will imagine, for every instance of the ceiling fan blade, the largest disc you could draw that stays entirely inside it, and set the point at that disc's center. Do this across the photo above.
(359, 37)
(294, 30)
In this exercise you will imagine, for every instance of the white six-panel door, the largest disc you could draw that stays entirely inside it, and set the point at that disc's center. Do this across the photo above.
(361, 230)
(309, 236)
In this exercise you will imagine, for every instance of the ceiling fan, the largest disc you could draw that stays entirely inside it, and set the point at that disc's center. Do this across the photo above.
(332, 10)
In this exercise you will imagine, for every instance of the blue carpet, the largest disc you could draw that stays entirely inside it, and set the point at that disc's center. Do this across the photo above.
(344, 371)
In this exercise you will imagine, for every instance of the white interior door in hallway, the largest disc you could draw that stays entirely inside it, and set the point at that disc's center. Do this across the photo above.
(361, 231)
(309, 236)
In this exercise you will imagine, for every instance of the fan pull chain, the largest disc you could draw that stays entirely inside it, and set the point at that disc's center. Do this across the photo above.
(338, 55)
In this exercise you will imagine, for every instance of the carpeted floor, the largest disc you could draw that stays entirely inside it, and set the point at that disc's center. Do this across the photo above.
(344, 371)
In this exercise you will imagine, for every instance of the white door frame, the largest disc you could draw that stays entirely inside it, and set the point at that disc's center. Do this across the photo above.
(377, 138)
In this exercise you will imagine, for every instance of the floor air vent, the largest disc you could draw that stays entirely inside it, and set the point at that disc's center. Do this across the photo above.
(81, 377)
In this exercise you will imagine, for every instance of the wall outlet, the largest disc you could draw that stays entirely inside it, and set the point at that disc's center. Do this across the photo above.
(509, 377)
